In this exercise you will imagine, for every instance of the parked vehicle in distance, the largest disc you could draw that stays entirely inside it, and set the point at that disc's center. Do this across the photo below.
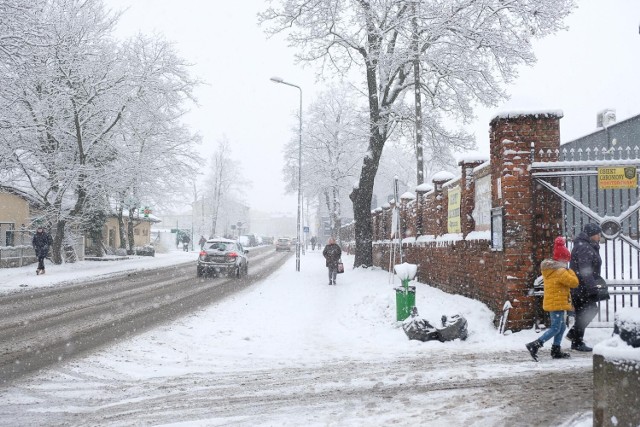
(283, 244)
(223, 256)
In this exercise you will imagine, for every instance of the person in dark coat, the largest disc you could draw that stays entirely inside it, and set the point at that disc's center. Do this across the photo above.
(201, 242)
(587, 263)
(41, 242)
(332, 254)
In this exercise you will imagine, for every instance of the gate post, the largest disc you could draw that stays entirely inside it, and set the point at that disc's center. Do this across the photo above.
(514, 189)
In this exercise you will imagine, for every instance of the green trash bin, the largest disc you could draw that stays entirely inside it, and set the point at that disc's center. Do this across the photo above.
(405, 301)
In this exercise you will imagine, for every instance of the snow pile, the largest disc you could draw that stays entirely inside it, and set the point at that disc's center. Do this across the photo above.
(406, 271)
(616, 348)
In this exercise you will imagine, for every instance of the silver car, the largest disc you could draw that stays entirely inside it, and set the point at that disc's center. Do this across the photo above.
(283, 244)
(223, 256)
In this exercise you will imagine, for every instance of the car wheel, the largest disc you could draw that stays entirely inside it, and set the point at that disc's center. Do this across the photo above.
(199, 272)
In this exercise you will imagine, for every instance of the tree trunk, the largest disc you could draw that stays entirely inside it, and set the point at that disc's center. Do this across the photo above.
(56, 250)
(361, 198)
(121, 230)
(336, 213)
(130, 231)
(99, 246)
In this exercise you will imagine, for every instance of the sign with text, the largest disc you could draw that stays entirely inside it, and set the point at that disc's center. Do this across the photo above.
(453, 216)
(613, 178)
(482, 209)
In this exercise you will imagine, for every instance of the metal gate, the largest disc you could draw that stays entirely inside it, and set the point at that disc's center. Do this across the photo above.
(585, 199)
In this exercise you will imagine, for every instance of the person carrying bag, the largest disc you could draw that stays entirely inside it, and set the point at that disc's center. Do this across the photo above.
(332, 254)
(587, 263)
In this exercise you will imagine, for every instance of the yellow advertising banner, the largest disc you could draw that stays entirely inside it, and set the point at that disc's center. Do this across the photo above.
(453, 214)
(613, 178)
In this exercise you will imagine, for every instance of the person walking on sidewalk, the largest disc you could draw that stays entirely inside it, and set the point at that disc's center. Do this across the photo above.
(558, 280)
(332, 254)
(41, 242)
(587, 263)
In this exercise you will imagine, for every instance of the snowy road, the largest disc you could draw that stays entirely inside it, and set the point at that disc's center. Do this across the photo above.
(292, 351)
(44, 326)
(425, 391)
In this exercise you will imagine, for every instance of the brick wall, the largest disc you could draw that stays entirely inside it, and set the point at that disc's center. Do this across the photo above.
(465, 263)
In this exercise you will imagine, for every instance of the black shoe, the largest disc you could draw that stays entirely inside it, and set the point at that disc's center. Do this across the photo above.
(533, 347)
(557, 353)
(580, 346)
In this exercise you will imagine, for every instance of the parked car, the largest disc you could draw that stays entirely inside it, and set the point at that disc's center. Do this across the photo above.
(223, 256)
(283, 244)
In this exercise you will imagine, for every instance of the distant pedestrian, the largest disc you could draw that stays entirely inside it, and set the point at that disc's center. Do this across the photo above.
(587, 263)
(185, 242)
(332, 254)
(201, 242)
(41, 242)
(313, 243)
(558, 280)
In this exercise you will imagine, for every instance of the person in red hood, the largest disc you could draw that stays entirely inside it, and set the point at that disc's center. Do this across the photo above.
(558, 280)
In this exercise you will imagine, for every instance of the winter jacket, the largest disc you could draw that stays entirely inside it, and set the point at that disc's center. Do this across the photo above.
(41, 243)
(558, 279)
(586, 262)
(332, 254)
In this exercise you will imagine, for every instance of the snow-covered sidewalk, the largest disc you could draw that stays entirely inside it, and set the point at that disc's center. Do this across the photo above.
(289, 320)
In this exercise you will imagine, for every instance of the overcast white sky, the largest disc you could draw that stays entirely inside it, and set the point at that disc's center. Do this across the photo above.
(592, 66)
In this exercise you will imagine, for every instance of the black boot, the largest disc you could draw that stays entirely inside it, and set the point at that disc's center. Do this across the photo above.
(579, 345)
(557, 353)
(533, 347)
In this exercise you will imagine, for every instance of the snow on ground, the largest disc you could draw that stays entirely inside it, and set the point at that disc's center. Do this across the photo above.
(289, 319)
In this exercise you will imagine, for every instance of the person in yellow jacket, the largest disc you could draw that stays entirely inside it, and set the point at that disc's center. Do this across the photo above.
(558, 280)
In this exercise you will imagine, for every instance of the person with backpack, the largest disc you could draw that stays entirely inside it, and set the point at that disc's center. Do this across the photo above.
(41, 242)
(558, 281)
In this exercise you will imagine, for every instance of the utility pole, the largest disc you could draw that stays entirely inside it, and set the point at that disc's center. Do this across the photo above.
(418, 105)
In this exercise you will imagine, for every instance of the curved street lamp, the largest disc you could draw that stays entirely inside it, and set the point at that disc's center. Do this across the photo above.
(298, 241)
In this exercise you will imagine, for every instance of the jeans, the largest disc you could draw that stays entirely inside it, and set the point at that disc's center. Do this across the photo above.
(333, 272)
(556, 330)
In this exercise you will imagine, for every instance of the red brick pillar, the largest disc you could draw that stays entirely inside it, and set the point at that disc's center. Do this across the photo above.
(467, 195)
(385, 228)
(421, 190)
(511, 139)
(407, 214)
(441, 202)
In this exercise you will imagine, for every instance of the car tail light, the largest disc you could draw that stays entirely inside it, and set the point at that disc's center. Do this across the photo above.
(233, 254)
(203, 254)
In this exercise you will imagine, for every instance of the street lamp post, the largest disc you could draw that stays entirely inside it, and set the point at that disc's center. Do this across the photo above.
(298, 243)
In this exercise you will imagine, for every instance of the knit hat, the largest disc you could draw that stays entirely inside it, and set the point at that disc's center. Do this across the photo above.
(560, 251)
(592, 229)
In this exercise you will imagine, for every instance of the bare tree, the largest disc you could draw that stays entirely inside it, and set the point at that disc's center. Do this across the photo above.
(468, 49)
(83, 114)
(224, 182)
(334, 144)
